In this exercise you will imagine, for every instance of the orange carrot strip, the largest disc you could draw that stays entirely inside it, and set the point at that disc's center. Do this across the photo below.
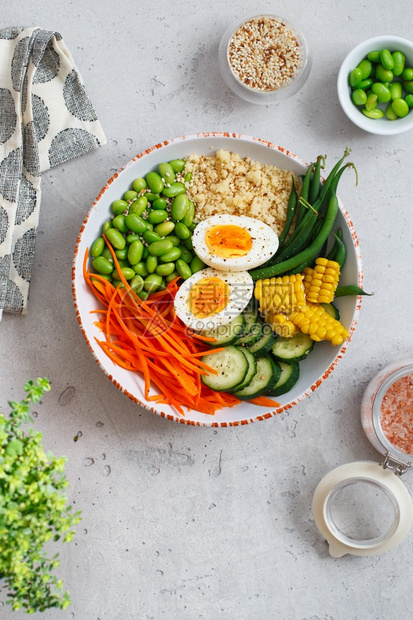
(264, 401)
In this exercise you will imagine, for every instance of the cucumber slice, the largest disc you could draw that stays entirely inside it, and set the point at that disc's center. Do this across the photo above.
(227, 334)
(331, 310)
(264, 345)
(248, 338)
(293, 349)
(251, 316)
(231, 365)
(290, 373)
(252, 368)
(263, 379)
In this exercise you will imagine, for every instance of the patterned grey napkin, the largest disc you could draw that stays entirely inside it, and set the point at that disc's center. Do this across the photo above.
(46, 118)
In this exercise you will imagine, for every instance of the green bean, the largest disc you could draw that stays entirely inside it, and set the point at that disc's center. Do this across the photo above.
(167, 172)
(174, 189)
(179, 207)
(341, 254)
(150, 236)
(138, 206)
(136, 283)
(127, 272)
(97, 247)
(151, 263)
(116, 239)
(305, 189)
(164, 228)
(135, 223)
(313, 248)
(188, 218)
(135, 252)
(140, 269)
(197, 264)
(350, 289)
(152, 282)
(165, 269)
(171, 256)
(122, 254)
(102, 265)
(156, 217)
(119, 206)
(119, 222)
(183, 269)
(177, 165)
(154, 182)
(315, 183)
(291, 209)
(158, 248)
(139, 185)
(182, 231)
(159, 204)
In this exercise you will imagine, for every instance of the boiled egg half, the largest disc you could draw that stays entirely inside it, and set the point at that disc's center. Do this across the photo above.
(210, 298)
(234, 242)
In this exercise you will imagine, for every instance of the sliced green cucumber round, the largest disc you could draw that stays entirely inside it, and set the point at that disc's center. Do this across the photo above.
(227, 334)
(331, 310)
(249, 337)
(290, 373)
(231, 365)
(262, 380)
(293, 349)
(264, 345)
(252, 368)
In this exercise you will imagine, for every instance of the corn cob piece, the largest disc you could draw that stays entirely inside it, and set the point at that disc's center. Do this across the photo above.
(280, 324)
(320, 283)
(284, 294)
(316, 322)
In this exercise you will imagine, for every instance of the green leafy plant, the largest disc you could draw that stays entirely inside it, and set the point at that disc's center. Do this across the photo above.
(33, 509)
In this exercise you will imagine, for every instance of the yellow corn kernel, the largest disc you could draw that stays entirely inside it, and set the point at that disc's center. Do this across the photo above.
(321, 282)
(284, 294)
(316, 322)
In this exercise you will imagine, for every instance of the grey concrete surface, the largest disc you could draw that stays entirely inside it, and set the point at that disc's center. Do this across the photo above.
(196, 523)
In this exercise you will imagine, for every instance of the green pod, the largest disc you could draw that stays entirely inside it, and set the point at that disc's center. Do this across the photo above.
(151, 263)
(138, 206)
(174, 189)
(150, 236)
(97, 247)
(135, 252)
(158, 248)
(182, 231)
(164, 229)
(136, 283)
(102, 265)
(158, 216)
(177, 165)
(183, 269)
(116, 238)
(179, 207)
(399, 59)
(165, 269)
(188, 218)
(140, 270)
(152, 282)
(159, 204)
(135, 223)
(154, 182)
(166, 172)
(119, 222)
(119, 206)
(171, 256)
(139, 184)
(197, 264)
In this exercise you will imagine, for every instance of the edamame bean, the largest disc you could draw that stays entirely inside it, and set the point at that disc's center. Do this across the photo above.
(366, 84)
(136, 283)
(138, 206)
(97, 247)
(167, 172)
(119, 222)
(183, 269)
(374, 56)
(145, 253)
(151, 196)
(390, 113)
(116, 238)
(186, 254)
(151, 263)
(119, 206)
(188, 177)
(122, 254)
(107, 254)
(105, 276)
(156, 217)
(149, 225)
(383, 93)
(174, 189)
(159, 203)
(359, 97)
(409, 100)
(365, 67)
(356, 77)
(407, 74)
(374, 113)
(384, 75)
(135, 223)
(139, 185)
(108, 224)
(197, 264)
(179, 207)
(408, 86)
(135, 252)
(140, 270)
(123, 263)
(171, 256)
(386, 59)
(127, 273)
(172, 276)
(395, 90)
(177, 165)
(132, 237)
(158, 248)
(150, 236)
(154, 182)
(143, 295)
(182, 231)
(165, 269)
(164, 228)
(371, 102)
(130, 195)
(399, 59)
(175, 240)
(188, 243)
(152, 282)
(102, 265)
(400, 107)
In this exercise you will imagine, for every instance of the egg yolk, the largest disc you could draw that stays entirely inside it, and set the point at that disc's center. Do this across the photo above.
(228, 241)
(207, 297)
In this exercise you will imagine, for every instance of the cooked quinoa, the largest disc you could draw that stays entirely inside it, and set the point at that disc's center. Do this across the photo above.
(228, 183)
(264, 54)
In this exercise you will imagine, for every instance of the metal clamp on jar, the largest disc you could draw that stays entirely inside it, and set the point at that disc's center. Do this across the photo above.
(364, 508)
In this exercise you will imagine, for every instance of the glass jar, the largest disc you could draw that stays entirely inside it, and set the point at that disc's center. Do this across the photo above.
(364, 508)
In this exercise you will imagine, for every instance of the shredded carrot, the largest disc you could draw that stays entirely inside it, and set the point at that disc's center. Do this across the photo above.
(264, 401)
(147, 337)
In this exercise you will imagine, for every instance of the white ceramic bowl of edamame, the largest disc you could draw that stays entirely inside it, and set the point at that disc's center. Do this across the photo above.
(378, 93)
(313, 371)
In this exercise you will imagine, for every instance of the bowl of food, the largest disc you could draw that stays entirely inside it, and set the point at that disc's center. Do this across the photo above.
(264, 58)
(375, 85)
(197, 291)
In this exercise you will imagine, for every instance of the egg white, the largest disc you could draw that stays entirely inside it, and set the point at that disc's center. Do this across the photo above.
(264, 242)
(241, 287)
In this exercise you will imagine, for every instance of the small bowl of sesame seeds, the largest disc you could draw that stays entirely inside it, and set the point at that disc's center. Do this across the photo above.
(264, 59)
